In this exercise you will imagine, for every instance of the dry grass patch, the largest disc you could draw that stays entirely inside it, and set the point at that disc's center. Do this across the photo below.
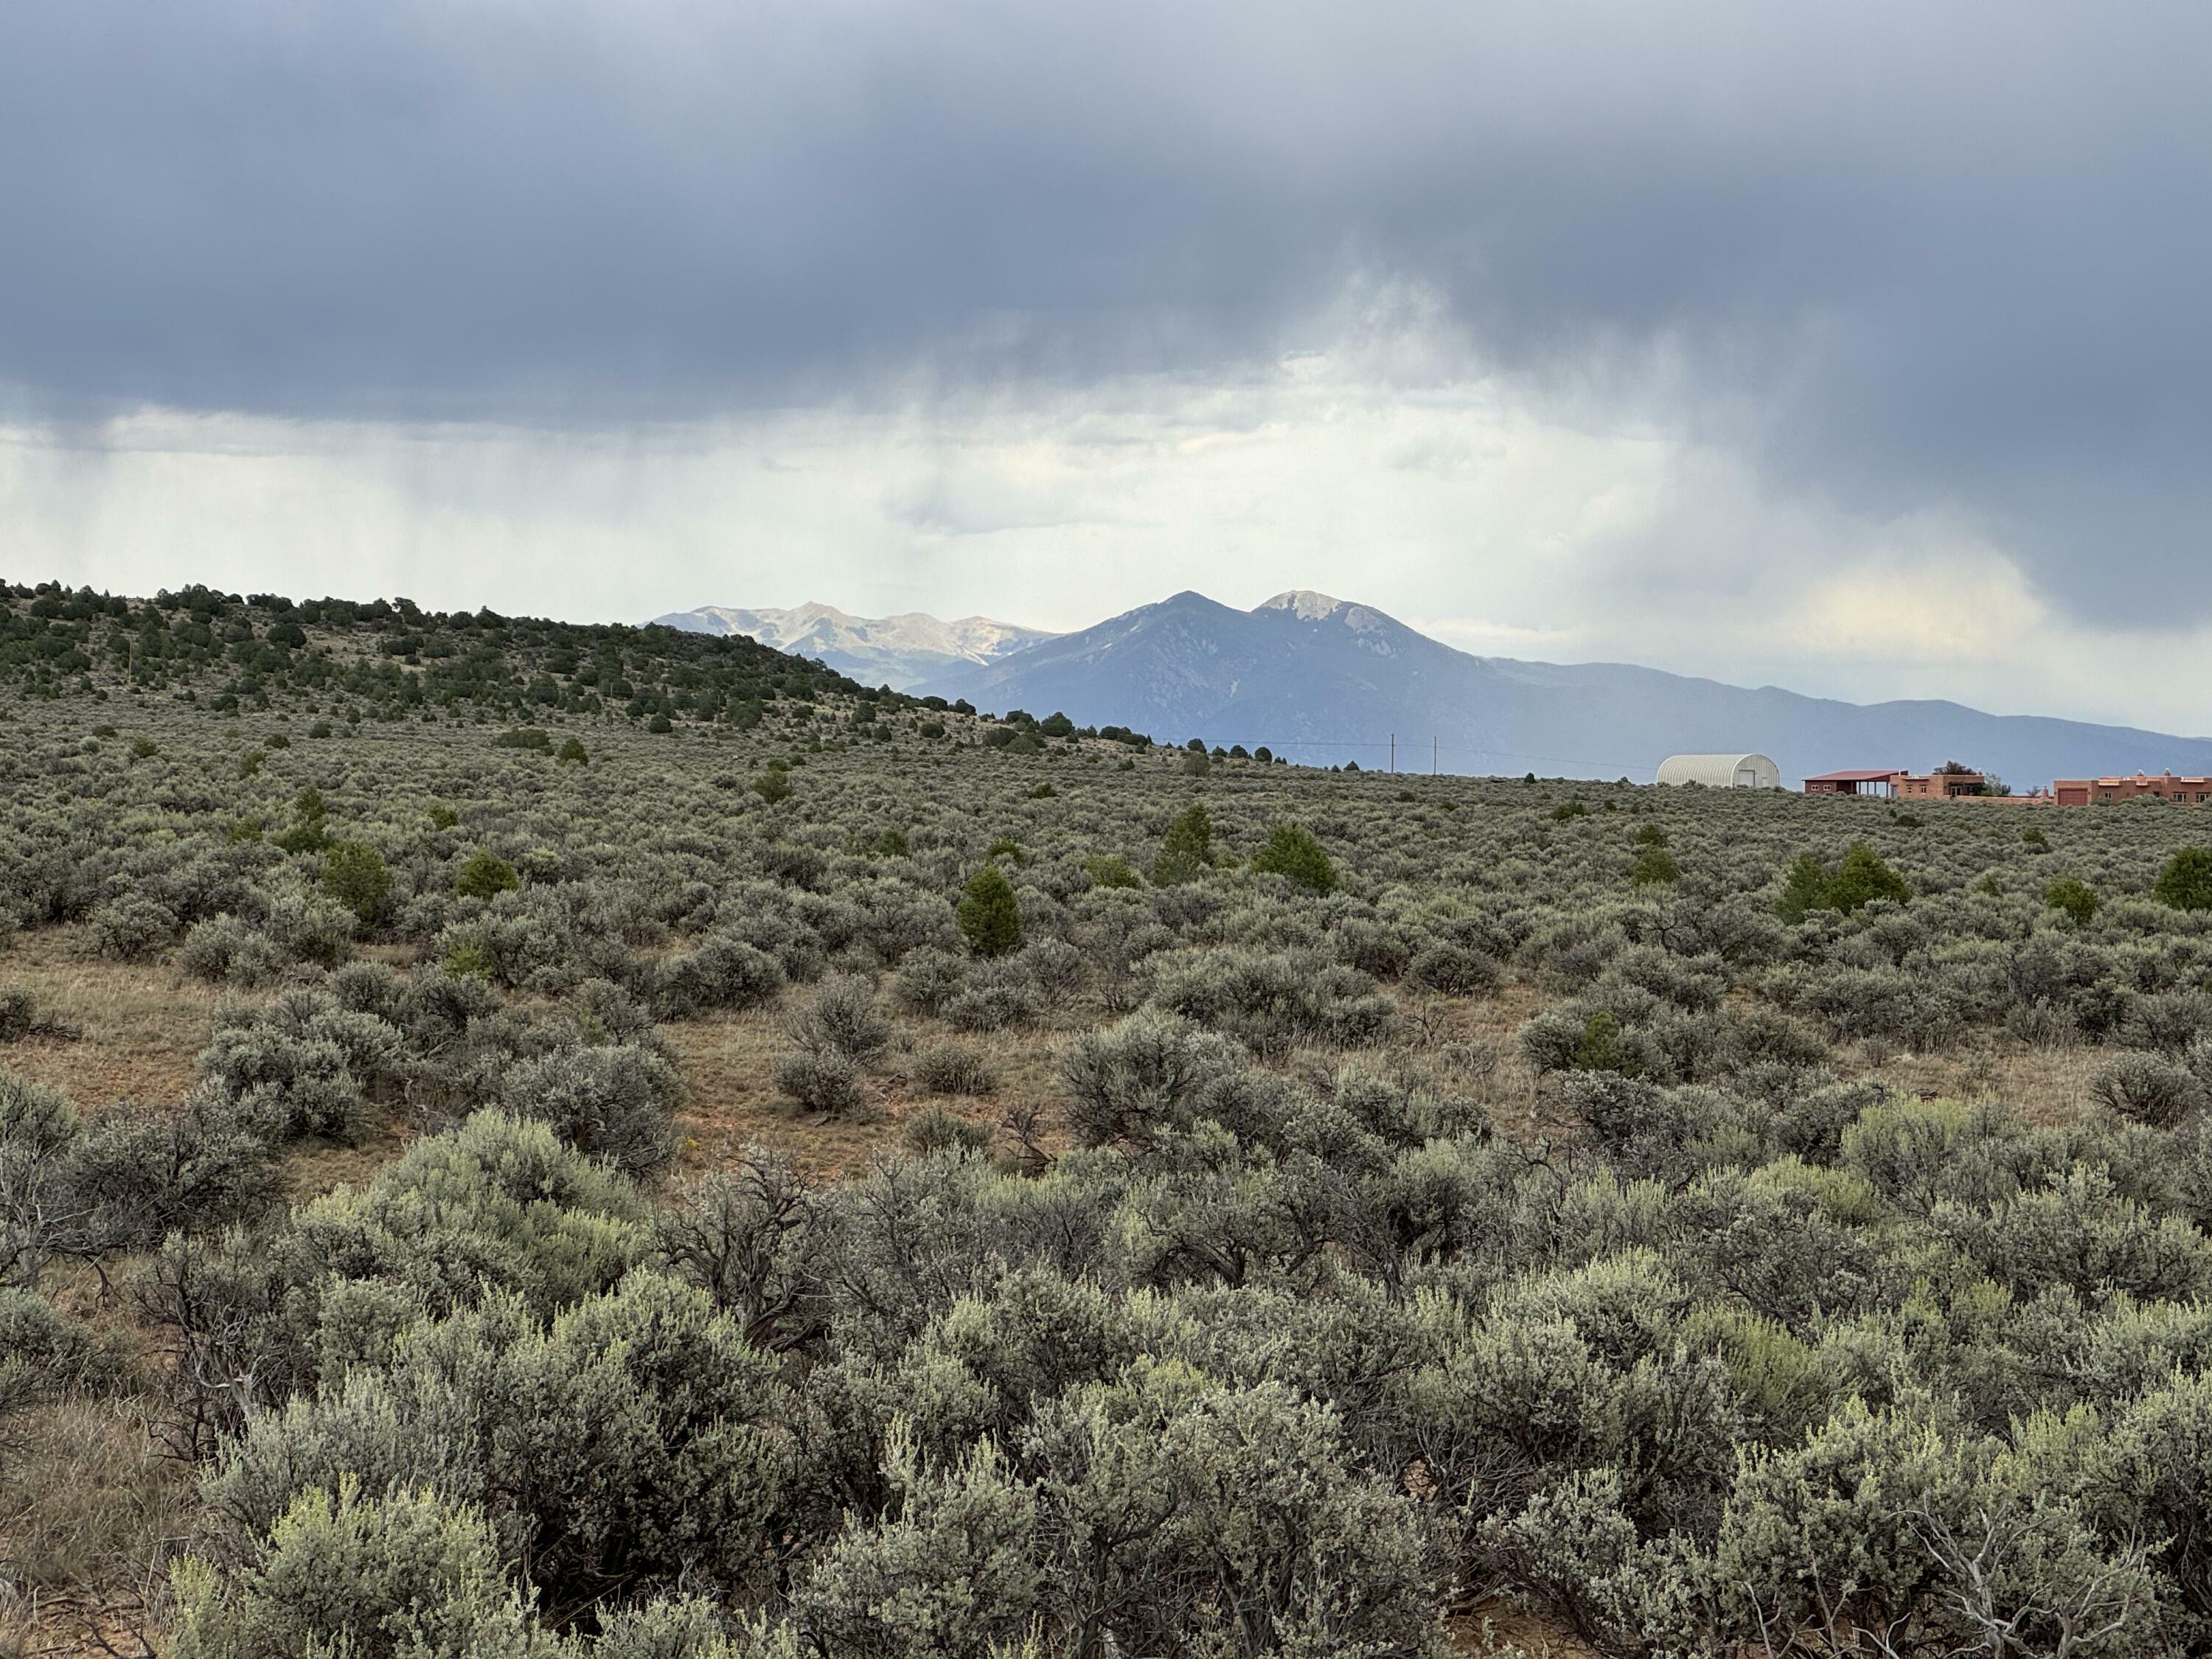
(90, 1515)
(731, 1101)
(142, 1024)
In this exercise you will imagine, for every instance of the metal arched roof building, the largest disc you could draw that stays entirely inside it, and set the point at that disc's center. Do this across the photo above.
(1722, 771)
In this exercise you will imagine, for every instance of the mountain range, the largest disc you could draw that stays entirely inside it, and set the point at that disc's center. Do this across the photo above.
(1321, 680)
(900, 652)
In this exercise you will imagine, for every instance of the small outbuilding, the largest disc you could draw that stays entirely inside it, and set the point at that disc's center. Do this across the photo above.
(1722, 771)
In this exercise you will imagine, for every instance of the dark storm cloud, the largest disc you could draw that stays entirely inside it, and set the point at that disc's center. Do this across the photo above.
(1900, 256)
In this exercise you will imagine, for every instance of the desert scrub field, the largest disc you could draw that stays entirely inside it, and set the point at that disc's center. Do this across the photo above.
(480, 1174)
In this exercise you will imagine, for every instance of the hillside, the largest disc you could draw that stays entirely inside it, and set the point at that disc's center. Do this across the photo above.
(900, 652)
(386, 660)
(1323, 681)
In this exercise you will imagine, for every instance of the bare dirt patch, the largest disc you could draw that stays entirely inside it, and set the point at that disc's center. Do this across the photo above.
(1501, 1627)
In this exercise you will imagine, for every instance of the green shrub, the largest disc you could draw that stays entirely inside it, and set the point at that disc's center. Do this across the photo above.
(2185, 884)
(1291, 851)
(1111, 870)
(612, 1102)
(723, 972)
(530, 738)
(1135, 1081)
(497, 1208)
(133, 927)
(354, 875)
(1655, 867)
(958, 1570)
(773, 785)
(486, 875)
(990, 919)
(1861, 879)
(842, 1017)
(2073, 898)
(1187, 848)
(1171, 1491)
(1600, 1048)
(467, 959)
(571, 752)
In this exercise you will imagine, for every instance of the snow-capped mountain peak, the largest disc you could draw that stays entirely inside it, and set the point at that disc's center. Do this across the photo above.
(899, 651)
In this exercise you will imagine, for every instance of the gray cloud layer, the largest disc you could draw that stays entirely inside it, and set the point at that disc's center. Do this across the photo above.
(1899, 256)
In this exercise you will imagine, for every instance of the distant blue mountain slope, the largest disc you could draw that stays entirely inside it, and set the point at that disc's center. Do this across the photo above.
(1321, 680)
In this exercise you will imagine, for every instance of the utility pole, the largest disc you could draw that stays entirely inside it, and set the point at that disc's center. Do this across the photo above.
(1393, 754)
(1432, 757)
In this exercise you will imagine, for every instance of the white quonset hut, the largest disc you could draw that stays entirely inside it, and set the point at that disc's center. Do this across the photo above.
(1722, 771)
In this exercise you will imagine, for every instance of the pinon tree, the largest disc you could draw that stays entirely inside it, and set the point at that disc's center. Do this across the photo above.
(989, 919)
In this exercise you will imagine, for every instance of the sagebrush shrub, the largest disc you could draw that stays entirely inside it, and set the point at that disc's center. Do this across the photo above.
(824, 1080)
(952, 1068)
(1445, 966)
(407, 1570)
(1134, 1080)
(129, 929)
(2149, 1089)
(613, 1101)
(842, 1018)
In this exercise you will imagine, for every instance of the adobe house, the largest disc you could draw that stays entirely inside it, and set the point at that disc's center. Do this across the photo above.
(1944, 783)
(2102, 792)
(1881, 783)
(1952, 782)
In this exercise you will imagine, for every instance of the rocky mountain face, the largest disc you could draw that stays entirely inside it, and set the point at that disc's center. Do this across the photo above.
(1323, 681)
(899, 652)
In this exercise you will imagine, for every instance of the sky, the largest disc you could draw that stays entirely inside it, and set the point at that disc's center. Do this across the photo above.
(1859, 349)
